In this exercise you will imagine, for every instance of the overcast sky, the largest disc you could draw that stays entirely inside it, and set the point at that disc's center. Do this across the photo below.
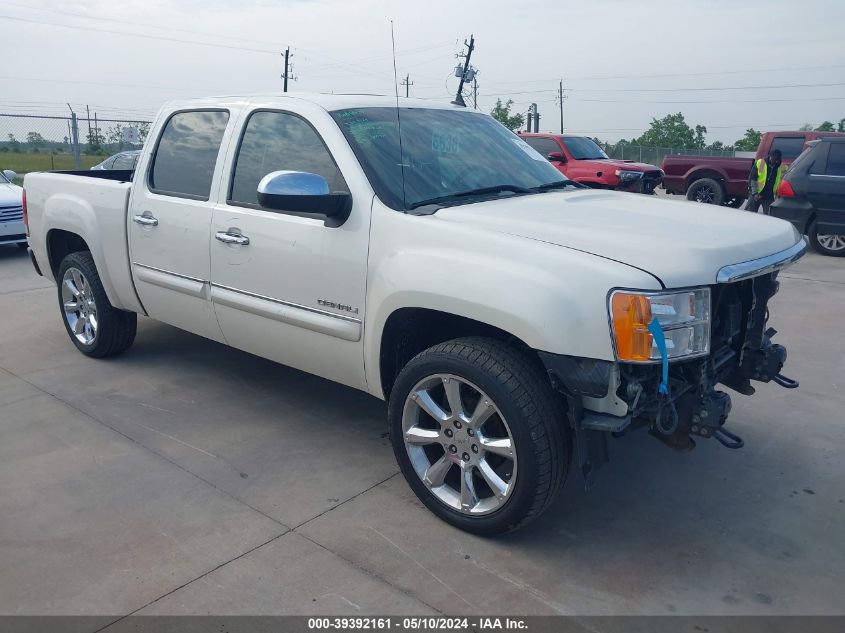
(623, 62)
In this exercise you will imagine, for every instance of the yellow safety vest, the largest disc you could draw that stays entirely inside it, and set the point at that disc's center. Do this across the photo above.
(762, 172)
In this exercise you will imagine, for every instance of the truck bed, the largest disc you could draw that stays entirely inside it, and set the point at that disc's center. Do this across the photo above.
(681, 170)
(92, 205)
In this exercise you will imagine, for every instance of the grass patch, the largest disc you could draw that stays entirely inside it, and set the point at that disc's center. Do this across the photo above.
(25, 162)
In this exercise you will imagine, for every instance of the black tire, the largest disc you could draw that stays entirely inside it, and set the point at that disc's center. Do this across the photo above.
(813, 234)
(734, 202)
(535, 415)
(116, 329)
(707, 191)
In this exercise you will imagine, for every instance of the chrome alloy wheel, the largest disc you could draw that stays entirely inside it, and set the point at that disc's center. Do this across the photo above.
(459, 444)
(832, 242)
(79, 306)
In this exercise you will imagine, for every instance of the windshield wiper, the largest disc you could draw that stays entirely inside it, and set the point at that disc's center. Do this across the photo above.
(560, 184)
(472, 192)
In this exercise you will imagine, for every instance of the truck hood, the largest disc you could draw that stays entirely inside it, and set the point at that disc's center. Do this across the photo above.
(681, 243)
(10, 195)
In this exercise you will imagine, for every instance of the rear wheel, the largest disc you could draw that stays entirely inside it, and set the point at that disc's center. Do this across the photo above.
(707, 191)
(827, 244)
(97, 328)
(479, 434)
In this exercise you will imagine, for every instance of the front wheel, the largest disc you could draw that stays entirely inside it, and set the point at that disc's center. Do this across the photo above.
(94, 325)
(479, 434)
(826, 244)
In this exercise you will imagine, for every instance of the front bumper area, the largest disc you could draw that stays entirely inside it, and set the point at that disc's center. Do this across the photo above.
(606, 397)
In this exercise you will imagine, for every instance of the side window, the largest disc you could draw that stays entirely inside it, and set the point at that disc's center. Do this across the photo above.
(544, 146)
(836, 160)
(274, 141)
(183, 164)
(109, 162)
(790, 146)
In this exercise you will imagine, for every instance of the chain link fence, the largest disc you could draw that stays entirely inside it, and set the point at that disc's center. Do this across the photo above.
(655, 155)
(30, 142)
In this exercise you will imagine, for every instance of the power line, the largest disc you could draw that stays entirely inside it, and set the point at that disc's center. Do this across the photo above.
(654, 76)
(142, 35)
(136, 23)
(709, 101)
(707, 89)
(105, 83)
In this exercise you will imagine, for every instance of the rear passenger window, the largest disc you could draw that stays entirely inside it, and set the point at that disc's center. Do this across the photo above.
(187, 150)
(789, 146)
(836, 160)
(274, 141)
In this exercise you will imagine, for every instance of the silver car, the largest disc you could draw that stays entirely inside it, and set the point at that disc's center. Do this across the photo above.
(12, 229)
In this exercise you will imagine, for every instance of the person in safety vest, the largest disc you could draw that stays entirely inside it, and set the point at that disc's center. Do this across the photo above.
(764, 180)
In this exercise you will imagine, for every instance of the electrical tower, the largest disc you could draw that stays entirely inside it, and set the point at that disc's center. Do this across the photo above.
(407, 83)
(465, 72)
(560, 98)
(288, 74)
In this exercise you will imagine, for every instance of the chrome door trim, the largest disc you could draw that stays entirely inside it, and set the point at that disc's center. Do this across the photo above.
(762, 265)
(171, 281)
(337, 325)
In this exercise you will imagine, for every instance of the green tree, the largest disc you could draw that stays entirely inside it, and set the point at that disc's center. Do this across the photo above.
(826, 126)
(719, 146)
(502, 113)
(750, 141)
(35, 139)
(841, 126)
(673, 131)
(807, 127)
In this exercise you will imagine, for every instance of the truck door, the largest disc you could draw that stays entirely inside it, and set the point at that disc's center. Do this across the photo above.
(284, 285)
(170, 221)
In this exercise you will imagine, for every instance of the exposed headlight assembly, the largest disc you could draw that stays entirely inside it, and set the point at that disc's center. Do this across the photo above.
(684, 318)
(628, 176)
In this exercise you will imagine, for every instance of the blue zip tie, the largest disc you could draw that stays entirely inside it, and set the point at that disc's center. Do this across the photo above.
(660, 339)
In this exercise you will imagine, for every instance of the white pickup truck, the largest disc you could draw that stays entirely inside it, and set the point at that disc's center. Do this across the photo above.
(428, 256)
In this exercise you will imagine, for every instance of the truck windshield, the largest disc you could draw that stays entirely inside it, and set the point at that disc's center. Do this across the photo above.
(445, 156)
(583, 148)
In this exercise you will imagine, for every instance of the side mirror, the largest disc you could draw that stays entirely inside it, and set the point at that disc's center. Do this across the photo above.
(302, 192)
(10, 175)
(558, 157)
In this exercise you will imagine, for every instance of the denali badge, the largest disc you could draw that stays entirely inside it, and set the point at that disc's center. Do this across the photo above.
(337, 306)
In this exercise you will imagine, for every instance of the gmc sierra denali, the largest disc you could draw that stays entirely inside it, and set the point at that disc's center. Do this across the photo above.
(423, 253)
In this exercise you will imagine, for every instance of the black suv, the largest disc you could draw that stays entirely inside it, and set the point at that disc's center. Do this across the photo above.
(812, 195)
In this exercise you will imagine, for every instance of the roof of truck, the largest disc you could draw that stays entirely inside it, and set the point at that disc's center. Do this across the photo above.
(328, 101)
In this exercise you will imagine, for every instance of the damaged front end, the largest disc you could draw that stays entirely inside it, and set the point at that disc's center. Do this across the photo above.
(676, 400)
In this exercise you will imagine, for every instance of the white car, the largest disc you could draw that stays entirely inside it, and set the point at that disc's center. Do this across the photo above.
(12, 229)
(427, 255)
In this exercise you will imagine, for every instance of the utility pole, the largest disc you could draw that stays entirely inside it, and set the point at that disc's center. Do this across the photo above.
(475, 93)
(407, 83)
(560, 97)
(288, 74)
(465, 76)
(88, 114)
(74, 138)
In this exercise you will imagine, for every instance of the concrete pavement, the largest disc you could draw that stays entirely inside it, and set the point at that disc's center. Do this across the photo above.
(185, 477)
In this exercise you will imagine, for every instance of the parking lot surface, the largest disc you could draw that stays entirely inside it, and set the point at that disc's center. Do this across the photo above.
(185, 477)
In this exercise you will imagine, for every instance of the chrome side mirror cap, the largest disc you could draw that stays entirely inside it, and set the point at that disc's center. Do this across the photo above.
(300, 192)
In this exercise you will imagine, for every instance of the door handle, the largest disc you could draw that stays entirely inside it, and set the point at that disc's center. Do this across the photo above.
(146, 219)
(227, 237)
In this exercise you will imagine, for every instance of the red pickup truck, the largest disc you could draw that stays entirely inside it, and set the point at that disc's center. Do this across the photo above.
(724, 180)
(579, 158)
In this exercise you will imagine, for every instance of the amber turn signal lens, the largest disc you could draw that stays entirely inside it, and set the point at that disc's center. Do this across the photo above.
(631, 314)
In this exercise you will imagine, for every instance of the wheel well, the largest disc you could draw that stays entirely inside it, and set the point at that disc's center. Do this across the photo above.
(409, 331)
(60, 244)
(705, 174)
